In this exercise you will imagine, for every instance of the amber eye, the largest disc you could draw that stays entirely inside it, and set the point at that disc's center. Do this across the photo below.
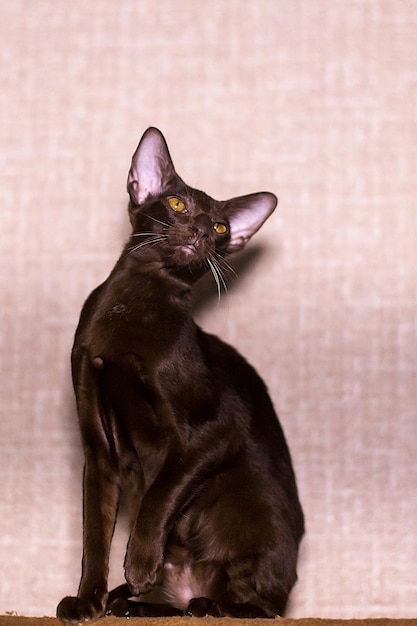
(220, 228)
(176, 205)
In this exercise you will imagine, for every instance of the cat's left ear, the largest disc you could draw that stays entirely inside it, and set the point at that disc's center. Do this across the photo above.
(152, 168)
(246, 215)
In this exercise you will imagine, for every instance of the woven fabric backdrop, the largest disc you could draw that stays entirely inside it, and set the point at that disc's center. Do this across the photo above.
(314, 100)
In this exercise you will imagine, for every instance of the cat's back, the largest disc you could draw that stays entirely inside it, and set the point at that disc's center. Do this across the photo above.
(244, 395)
(230, 368)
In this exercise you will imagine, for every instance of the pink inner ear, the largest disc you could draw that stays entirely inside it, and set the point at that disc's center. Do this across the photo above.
(151, 167)
(246, 216)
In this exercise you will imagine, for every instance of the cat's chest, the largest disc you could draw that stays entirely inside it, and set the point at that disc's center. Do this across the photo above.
(130, 327)
(134, 323)
(131, 316)
(129, 331)
(147, 353)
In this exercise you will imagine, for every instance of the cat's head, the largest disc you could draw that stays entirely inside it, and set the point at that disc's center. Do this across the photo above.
(181, 227)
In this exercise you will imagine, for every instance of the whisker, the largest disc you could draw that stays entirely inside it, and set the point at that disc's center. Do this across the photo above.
(151, 217)
(215, 276)
(146, 243)
(225, 264)
(187, 190)
(220, 273)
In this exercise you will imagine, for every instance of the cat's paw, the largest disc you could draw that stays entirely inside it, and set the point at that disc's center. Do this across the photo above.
(143, 568)
(198, 607)
(141, 580)
(118, 608)
(73, 610)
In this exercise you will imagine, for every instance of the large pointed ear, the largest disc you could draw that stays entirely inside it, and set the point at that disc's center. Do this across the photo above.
(151, 168)
(246, 215)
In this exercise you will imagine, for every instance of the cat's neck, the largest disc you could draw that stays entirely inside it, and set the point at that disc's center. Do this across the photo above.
(154, 285)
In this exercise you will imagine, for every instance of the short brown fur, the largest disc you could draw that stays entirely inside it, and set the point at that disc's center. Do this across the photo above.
(179, 421)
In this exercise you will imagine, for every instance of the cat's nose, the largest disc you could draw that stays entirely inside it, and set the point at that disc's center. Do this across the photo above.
(202, 225)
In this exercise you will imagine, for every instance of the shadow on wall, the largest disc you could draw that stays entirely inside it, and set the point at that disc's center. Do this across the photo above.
(234, 271)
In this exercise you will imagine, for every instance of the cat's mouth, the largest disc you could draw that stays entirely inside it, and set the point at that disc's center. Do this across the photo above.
(196, 245)
(191, 249)
(195, 251)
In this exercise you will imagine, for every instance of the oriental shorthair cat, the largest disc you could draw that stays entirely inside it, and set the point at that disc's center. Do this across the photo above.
(178, 421)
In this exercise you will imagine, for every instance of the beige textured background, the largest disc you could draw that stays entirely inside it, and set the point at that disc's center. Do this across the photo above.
(315, 100)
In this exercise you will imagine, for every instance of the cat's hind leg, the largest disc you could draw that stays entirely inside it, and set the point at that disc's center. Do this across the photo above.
(203, 607)
(119, 604)
(131, 608)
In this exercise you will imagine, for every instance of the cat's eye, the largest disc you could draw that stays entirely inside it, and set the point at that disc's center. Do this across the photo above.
(176, 205)
(220, 228)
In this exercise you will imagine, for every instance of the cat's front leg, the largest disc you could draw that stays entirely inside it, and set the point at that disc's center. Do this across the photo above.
(145, 551)
(160, 506)
(101, 494)
(75, 610)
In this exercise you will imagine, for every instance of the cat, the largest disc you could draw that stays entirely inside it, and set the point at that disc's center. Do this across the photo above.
(179, 421)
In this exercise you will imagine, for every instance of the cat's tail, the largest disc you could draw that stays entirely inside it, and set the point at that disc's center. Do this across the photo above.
(120, 592)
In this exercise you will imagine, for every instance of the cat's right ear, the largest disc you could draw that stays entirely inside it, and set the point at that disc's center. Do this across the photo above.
(152, 168)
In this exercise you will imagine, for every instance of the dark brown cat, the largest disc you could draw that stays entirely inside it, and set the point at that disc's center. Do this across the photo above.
(179, 421)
